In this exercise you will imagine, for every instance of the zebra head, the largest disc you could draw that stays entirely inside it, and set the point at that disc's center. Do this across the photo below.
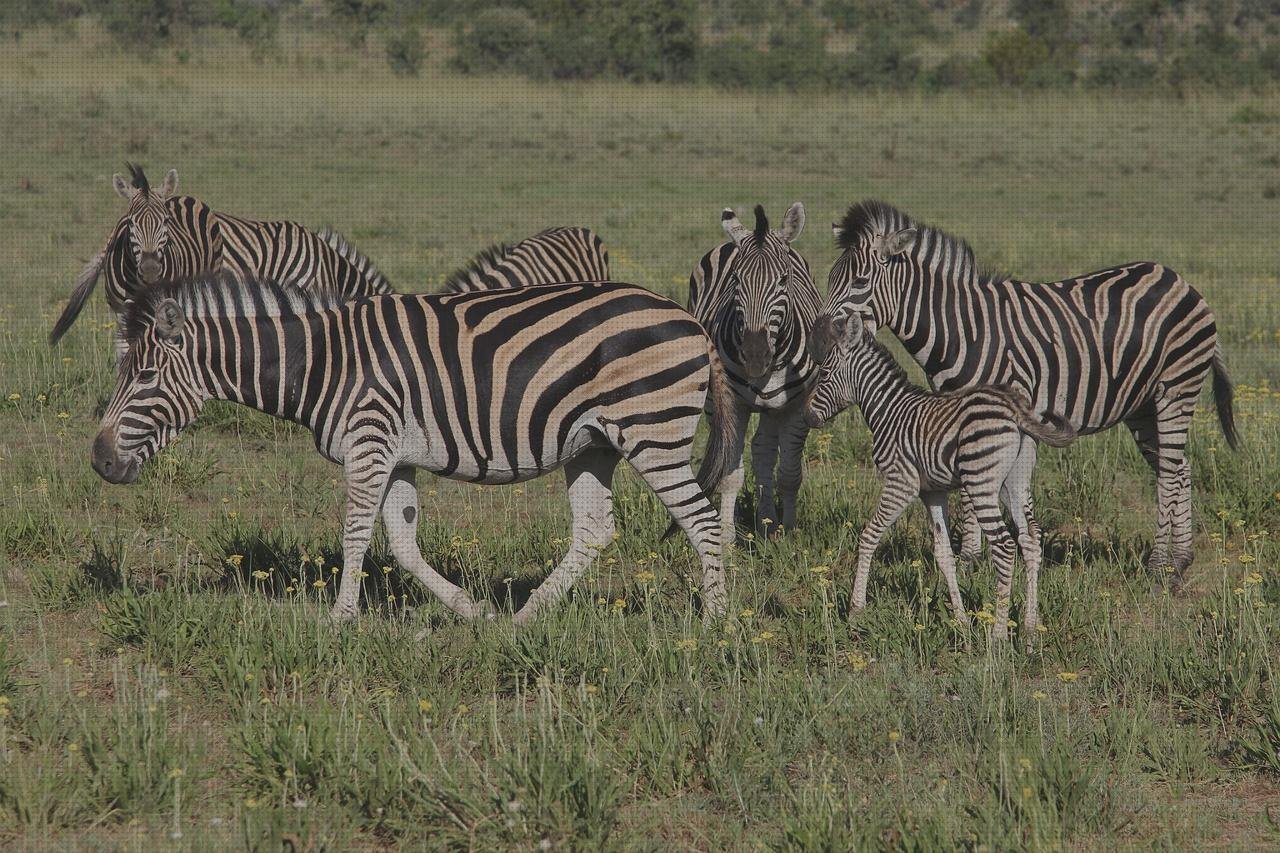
(157, 393)
(874, 238)
(760, 276)
(844, 331)
(148, 219)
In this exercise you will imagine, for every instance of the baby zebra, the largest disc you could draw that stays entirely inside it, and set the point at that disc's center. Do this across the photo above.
(981, 440)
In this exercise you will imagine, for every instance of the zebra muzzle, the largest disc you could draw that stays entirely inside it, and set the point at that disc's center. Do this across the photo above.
(149, 267)
(107, 463)
(757, 354)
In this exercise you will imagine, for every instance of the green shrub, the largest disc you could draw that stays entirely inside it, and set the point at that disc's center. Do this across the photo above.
(960, 72)
(137, 23)
(1013, 54)
(354, 18)
(405, 51)
(883, 60)
(797, 56)
(735, 63)
(905, 17)
(499, 38)
(655, 39)
(1121, 71)
(256, 23)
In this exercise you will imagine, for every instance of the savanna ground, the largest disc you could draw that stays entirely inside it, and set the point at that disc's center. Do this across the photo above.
(168, 678)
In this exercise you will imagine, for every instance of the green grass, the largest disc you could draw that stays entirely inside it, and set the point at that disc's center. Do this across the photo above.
(157, 694)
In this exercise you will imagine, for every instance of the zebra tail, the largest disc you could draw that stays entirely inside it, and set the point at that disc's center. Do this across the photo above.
(1058, 432)
(84, 286)
(1224, 396)
(715, 460)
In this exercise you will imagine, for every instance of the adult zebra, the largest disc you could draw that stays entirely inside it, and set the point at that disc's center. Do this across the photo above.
(498, 386)
(1132, 344)
(554, 256)
(166, 237)
(756, 298)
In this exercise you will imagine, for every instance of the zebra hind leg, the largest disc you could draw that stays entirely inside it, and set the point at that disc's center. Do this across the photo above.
(1003, 556)
(970, 532)
(1173, 484)
(731, 484)
(1016, 494)
(400, 513)
(590, 480)
(367, 473)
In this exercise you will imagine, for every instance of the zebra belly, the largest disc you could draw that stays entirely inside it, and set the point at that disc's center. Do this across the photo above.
(419, 451)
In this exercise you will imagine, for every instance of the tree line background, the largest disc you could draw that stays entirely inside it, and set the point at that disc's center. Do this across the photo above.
(753, 44)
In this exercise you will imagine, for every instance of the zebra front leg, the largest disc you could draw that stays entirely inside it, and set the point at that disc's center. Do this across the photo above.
(590, 480)
(1003, 557)
(400, 510)
(942, 553)
(793, 434)
(367, 473)
(1016, 494)
(764, 459)
(899, 489)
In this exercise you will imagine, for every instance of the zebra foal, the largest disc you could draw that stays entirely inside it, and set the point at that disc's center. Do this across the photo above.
(926, 445)
(498, 386)
(165, 237)
(1132, 344)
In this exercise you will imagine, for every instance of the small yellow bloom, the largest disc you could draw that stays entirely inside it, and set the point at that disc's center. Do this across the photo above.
(424, 705)
(857, 661)
(260, 574)
(176, 773)
(318, 584)
(62, 416)
(1248, 558)
(895, 736)
(688, 644)
(15, 397)
(747, 614)
(820, 570)
(1254, 579)
(645, 576)
(235, 560)
(1039, 696)
(1068, 677)
(619, 604)
(462, 709)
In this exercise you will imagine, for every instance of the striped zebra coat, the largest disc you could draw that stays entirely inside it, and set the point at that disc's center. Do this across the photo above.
(981, 440)
(554, 256)
(756, 298)
(499, 386)
(1132, 344)
(166, 237)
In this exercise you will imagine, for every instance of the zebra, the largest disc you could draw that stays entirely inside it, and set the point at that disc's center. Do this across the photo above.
(1132, 344)
(926, 445)
(554, 256)
(757, 300)
(498, 386)
(163, 236)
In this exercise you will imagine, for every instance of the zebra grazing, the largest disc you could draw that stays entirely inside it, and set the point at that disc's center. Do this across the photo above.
(494, 387)
(555, 256)
(981, 440)
(166, 237)
(756, 299)
(1132, 344)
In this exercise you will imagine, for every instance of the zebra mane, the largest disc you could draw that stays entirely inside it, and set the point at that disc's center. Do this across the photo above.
(340, 244)
(222, 294)
(868, 219)
(484, 260)
(139, 178)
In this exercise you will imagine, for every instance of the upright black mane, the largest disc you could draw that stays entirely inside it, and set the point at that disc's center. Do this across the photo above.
(762, 222)
(870, 218)
(482, 261)
(139, 178)
(221, 294)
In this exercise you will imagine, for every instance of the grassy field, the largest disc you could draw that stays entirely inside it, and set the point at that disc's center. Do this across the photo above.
(157, 693)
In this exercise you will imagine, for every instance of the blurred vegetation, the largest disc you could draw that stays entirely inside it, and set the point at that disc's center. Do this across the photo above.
(1175, 45)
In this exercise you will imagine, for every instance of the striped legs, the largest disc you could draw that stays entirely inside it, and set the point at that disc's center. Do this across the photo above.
(970, 531)
(901, 485)
(400, 510)
(942, 554)
(778, 443)
(590, 479)
(1162, 439)
(1016, 494)
(732, 481)
(667, 472)
(368, 470)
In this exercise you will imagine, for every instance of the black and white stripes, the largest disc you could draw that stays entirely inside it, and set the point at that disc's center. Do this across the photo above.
(554, 256)
(1132, 344)
(168, 237)
(497, 386)
(756, 298)
(981, 441)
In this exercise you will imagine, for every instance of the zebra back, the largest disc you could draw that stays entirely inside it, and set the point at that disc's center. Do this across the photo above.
(559, 255)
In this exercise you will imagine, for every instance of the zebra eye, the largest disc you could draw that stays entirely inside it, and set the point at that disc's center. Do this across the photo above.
(147, 375)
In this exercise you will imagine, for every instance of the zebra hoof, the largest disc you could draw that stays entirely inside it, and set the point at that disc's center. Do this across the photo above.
(341, 616)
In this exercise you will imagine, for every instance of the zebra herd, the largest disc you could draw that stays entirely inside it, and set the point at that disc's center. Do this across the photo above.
(532, 360)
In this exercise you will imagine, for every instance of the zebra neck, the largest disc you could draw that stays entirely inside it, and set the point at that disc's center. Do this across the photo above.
(927, 310)
(880, 384)
(260, 362)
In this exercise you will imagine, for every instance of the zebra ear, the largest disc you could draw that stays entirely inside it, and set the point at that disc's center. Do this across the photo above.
(169, 319)
(897, 243)
(837, 231)
(732, 227)
(170, 183)
(792, 223)
(123, 189)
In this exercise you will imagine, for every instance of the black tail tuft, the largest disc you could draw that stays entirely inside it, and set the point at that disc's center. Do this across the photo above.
(84, 286)
(1224, 395)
